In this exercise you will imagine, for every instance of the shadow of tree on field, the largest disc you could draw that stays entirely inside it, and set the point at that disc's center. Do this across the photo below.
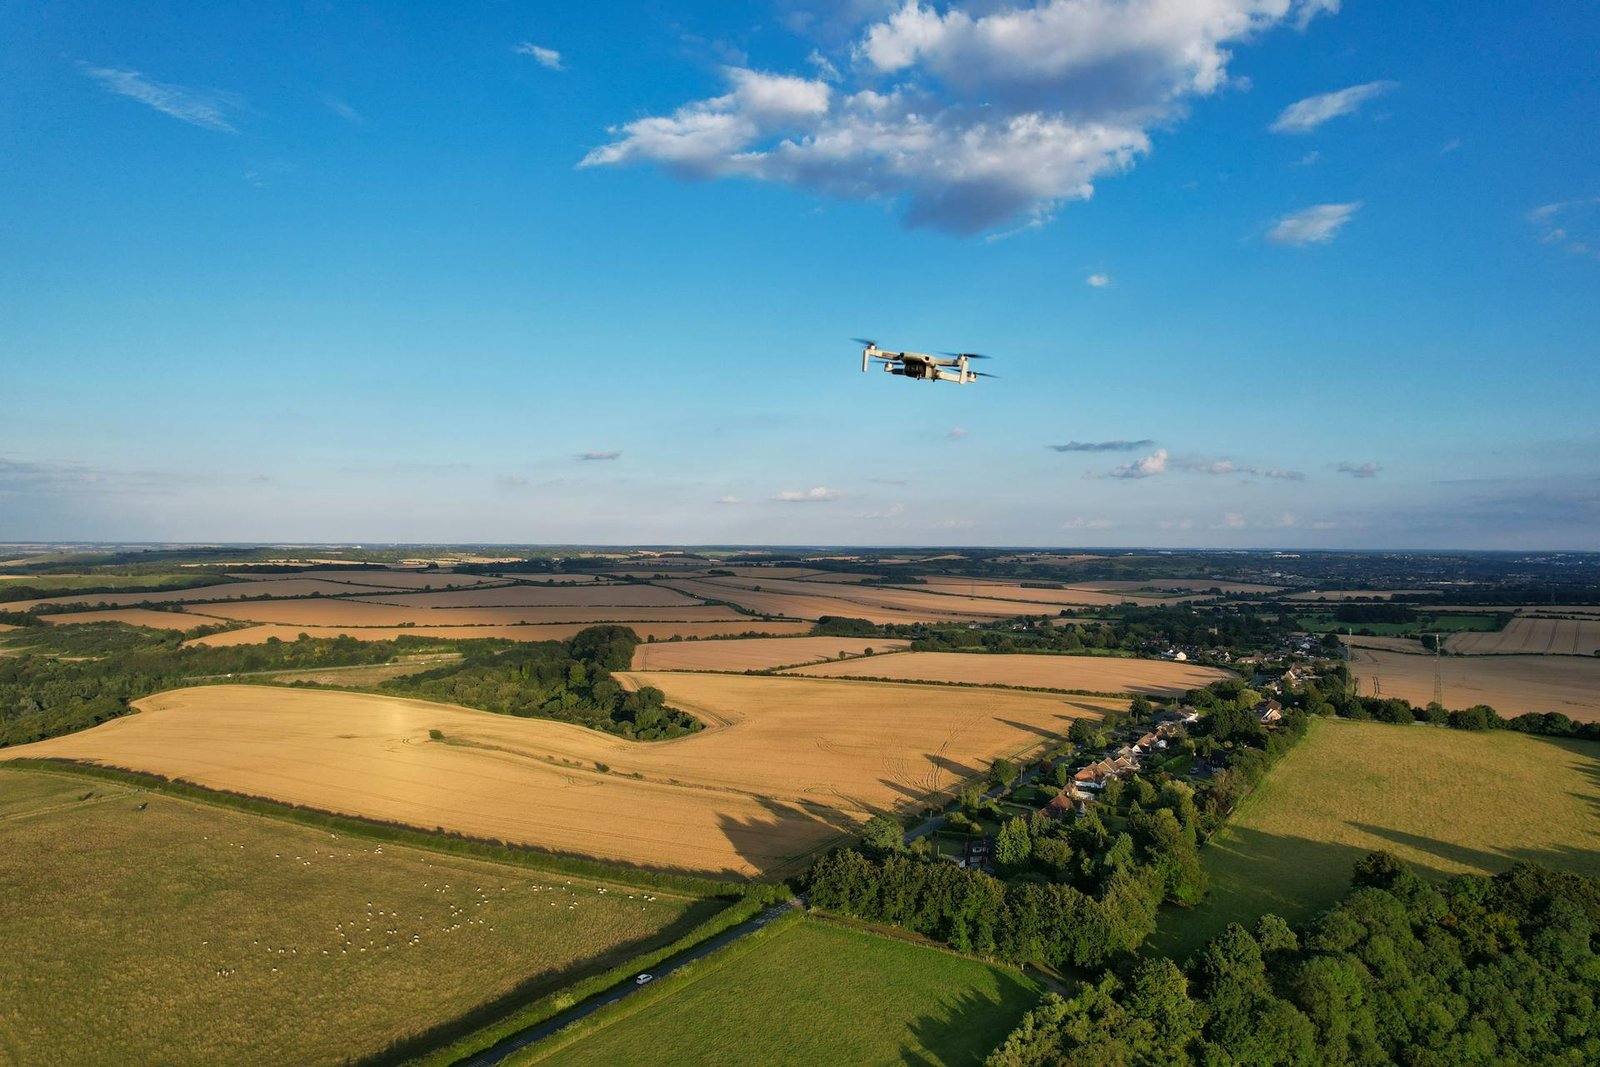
(1038, 731)
(788, 835)
(966, 1026)
(954, 767)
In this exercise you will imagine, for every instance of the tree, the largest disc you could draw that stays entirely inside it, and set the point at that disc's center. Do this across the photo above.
(1013, 845)
(1002, 772)
(882, 834)
(1085, 733)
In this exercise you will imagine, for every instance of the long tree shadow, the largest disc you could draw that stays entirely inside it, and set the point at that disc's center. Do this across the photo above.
(787, 836)
(1033, 728)
(960, 770)
(967, 1025)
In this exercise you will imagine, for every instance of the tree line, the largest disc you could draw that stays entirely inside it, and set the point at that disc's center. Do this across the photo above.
(1481, 971)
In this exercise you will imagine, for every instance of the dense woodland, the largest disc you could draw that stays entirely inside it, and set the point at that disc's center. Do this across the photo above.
(1478, 971)
(570, 681)
(74, 677)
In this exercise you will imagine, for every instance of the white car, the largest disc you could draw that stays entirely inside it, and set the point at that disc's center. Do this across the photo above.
(643, 978)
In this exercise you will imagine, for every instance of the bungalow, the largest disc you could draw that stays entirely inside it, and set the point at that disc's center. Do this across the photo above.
(1269, 712)
(1069, 800)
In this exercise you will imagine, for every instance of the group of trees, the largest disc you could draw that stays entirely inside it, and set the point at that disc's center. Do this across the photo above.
(68, 678)
(570, 681)
(71, 677)
(1128, 629)
(1077, 891)
(1332, 695)
(1478, 971)
(1071, 893)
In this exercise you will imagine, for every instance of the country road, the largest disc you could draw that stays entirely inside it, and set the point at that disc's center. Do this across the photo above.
(522, 1039)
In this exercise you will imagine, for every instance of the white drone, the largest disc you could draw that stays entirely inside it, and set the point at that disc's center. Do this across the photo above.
(946, 367)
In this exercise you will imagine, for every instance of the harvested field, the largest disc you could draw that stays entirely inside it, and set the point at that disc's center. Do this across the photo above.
(1509, 684)
(1387, 644)
(289, 587)
(822, 994)
(661, 631)
(1000, 595)
(606, 594)
(754, 653)
(368, 674)
(880, 604)
(157, 620)
(1416, 791)
(384, 577)
(142, 928)
(1538, 636)
(789, 765)
(345, 612)
(1098, 674)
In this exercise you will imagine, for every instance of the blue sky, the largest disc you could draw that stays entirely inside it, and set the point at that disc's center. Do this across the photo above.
(1322, 274)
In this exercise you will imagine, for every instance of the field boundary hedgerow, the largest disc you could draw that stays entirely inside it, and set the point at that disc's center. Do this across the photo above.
(437, 840)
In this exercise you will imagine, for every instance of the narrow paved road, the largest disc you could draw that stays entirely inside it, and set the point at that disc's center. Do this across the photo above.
(522, 1039)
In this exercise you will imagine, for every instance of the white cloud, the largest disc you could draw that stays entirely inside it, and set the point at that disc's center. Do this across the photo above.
(952, 524)
(729, 500)
(1228, 466)
(1097, 281)
(1306, 115)
(1148, 467)
(600, 455)
(1233, 521)
(203, 108)
(1081, 523)
(1360, 470)
(1308, 159)
(825, 68)
(893, 511)
(956, 433)
(971, 120)
(1314, 225)
(545, 57)
(807, 496)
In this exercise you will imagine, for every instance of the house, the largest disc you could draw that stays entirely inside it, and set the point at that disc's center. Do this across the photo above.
(1069, 800)
(1269, 712)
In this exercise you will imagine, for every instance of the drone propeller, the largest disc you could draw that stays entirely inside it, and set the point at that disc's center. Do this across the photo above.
(965, 355)
(863, 341)
(982, 374)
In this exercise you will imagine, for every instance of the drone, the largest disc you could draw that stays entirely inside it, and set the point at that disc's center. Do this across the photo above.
(945, 367)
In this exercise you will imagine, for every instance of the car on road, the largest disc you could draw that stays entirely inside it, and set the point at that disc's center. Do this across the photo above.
(643, 978)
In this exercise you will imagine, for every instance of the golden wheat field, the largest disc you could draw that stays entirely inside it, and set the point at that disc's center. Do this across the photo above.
(997, 596)
(880, 604)
(786, 766)
(1099, 674)
(660, 631)
(346, 612)
(141, 928)
(754, 653)
(1509, 684)
(1563, 637)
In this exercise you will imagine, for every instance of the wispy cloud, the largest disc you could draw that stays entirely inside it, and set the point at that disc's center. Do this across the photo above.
(976, 117)
(545, 57)
(1148, 467)
(1314, 225)
(1102, 446)
(1228, 466)
(1574, 215)
(952, 524)
(1097, 281)
(205, 108)
(344, 110)
(1081, 523)
(1360, 470)
(1306, 115)
(816, 495)
(729, 500)
(511, 482)
(893, 511)
(591, 456)
(956, 433)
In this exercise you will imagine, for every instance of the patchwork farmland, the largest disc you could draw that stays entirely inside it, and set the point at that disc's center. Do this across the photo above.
(1509, 684)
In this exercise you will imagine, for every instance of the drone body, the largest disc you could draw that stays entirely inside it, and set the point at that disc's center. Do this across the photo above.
(920, 366)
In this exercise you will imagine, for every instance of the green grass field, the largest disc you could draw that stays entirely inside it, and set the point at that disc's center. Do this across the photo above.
(1445, 801)
(814, 994)
(192, 933)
